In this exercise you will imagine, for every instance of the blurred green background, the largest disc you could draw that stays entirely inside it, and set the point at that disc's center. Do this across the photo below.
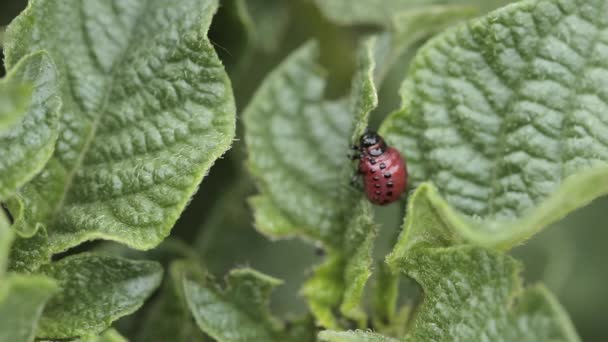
(570, 257)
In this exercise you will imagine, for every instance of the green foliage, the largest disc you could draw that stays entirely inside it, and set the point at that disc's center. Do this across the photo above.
(145, 114)
(96, 290)
(112, 112)
(22, 299)
(25, 147)
(289, 114)
(237, 313)
(353, 336)
(497, 115)
(15, 97)
(170, 318)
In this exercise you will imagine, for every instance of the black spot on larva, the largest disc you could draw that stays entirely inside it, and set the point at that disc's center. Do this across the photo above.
(389, 184)
(387, 175)
(372, 170)
(372, 161)
(378, 192)
(376, 178)
(389, 193)
(377, 185)
(376, 198)
(382, 166)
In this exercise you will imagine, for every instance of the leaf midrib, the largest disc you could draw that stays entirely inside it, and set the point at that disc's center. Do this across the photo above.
(108, 91)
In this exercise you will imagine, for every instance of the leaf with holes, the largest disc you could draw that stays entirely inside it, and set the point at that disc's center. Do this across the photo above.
(30, 142)
(96, 290)
(297, 143)
(506, 115)
(147, 110)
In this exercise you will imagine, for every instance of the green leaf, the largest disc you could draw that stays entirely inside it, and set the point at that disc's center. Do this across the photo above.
(297, 143)
(96, 290)
(169, 318)
(505, 115)
(14, 100)
(287, 123)
(353, 336)
(22, 299)
(6, 239)
(473, 294)
(470, 294)
(237, 313)
(28, 145)
(380, 12)
(109, 335)
(147, 110)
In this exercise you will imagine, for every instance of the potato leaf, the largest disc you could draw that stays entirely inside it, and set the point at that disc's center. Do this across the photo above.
(147, 110)
(237, 313)
(95, 291)
(297, 143)
(29, 95)
(506, 116)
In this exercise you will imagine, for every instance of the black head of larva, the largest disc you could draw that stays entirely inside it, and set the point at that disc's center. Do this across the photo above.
(372, 143)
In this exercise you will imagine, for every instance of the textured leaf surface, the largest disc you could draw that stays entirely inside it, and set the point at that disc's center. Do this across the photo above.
(22, 299)
(15, 97)
(353, 336)
(506, 115)
(169, 318)
(28, 145)
(470, 294)
(297, 143)
(237, 313)
(147, 110)
(380, 12)
(96, 290)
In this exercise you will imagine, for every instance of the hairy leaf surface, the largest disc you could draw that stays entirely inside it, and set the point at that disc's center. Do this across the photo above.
(237, 313)
(470, 293)
(25, 148)
(297, 143)
(147, 110)
(96, 290)
(506, 116)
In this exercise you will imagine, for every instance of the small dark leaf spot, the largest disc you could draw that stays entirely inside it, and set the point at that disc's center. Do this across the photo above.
(377, 185)
(387, 175)
(382, 166)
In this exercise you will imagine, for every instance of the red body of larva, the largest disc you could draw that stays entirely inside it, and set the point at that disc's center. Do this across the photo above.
(383, 169)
